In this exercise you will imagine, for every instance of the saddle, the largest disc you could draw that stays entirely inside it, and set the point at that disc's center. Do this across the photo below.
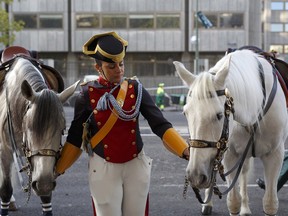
(280, 66)
(52, 77)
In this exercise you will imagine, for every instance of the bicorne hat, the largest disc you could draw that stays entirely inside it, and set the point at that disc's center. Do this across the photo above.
(108, 47)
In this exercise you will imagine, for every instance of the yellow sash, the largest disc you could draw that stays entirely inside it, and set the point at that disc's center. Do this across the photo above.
(112, 118)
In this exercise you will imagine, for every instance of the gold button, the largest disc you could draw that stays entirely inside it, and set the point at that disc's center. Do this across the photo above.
(107, 158)
(95, 111)
(134, 155)
(133, 107)
(133, 143)
(91, 89)
(132, 96)
(99, 123)
(130, 86)
(134, 120)
(106, 146)
(132, 131)
(92, 101)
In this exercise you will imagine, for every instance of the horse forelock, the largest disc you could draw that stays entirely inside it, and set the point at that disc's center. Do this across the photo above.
(48, 115)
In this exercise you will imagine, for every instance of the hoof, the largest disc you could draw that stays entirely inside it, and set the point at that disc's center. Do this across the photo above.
(47, 213)
(13, 206)
(206, 210)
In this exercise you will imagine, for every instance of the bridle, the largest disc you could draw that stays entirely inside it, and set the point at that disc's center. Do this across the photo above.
(220, 145)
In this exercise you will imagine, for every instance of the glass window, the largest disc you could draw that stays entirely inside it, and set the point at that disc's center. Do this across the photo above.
(87, 21)
(114, 21)
(142, 69)
(229, 20)
(286, 27)
(277, 27)
(141, 21)
(168, 21)
(285, 48)
(164, 69)
(277, 48)
(286, 6)
(50, 21)
(30, 20)
(277, 5)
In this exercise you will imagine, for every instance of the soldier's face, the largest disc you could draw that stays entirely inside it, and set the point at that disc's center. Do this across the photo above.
(112, 72)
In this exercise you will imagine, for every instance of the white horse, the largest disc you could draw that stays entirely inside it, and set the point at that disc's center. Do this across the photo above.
(222, 127)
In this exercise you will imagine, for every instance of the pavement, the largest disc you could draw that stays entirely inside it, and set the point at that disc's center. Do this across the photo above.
(72, 196)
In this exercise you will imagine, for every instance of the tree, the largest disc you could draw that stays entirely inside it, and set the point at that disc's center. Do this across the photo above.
(7, 27)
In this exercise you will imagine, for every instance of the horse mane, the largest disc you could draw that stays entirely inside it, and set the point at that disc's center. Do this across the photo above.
(243, 81)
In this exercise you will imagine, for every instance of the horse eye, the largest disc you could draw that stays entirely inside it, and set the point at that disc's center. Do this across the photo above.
(219, 116)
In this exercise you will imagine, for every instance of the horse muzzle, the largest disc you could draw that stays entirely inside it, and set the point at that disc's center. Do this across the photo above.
(43, 188)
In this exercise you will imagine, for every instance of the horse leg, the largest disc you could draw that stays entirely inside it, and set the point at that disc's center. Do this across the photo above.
(233, 197)
(46, 205)
(272, 165)
(13, 206)
(245, 209)
(6, 189)
(207, 208)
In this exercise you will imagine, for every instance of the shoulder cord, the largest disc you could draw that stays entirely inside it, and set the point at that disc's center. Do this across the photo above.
(103, 104)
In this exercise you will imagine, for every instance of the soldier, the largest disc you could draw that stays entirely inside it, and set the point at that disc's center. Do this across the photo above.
(109, 108)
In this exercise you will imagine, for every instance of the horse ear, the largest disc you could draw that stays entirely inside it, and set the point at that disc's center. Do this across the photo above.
(27, 91)
(68, 92)
(186, 76)
(222, 73)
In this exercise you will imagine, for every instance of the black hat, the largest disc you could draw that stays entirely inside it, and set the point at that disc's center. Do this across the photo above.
(109, 47)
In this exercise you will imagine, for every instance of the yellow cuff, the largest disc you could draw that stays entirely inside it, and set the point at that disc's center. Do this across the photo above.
(69, 155)
(174, 142)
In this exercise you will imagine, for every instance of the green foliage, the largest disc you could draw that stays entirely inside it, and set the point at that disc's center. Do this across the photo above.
(8, 28)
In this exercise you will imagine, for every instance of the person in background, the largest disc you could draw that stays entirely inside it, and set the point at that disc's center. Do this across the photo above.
(109, 108)
(283, 176)
(160, 96)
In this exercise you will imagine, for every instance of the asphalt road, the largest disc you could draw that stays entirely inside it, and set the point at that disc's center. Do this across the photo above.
(72, 197)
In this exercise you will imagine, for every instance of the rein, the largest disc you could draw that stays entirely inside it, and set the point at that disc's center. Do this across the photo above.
(221, 145)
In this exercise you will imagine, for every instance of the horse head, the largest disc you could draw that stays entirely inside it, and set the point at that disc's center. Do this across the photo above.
(43, 126)
(207, 122)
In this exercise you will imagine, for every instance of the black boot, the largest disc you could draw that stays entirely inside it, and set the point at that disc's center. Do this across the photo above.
(260, 183)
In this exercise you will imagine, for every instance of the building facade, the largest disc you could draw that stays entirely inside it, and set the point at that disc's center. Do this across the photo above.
(158, 31)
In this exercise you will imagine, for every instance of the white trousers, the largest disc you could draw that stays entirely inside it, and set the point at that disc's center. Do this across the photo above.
(120, 189)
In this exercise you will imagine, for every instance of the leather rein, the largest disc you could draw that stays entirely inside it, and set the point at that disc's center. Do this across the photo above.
(221, 144)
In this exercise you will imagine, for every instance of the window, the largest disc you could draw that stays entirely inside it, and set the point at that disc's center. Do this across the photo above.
(285, 48)
(50, 21)
(229, 20)
(114, 21)
(286, 27)
(277, 27)
(286, 6)
(277, 5)
(277, 48)
(141, 21)
(30, 20)
(87, 21)
(168, 21)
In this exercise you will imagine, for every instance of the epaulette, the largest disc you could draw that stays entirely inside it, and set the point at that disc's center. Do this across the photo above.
(85, 83)
(133, 78)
